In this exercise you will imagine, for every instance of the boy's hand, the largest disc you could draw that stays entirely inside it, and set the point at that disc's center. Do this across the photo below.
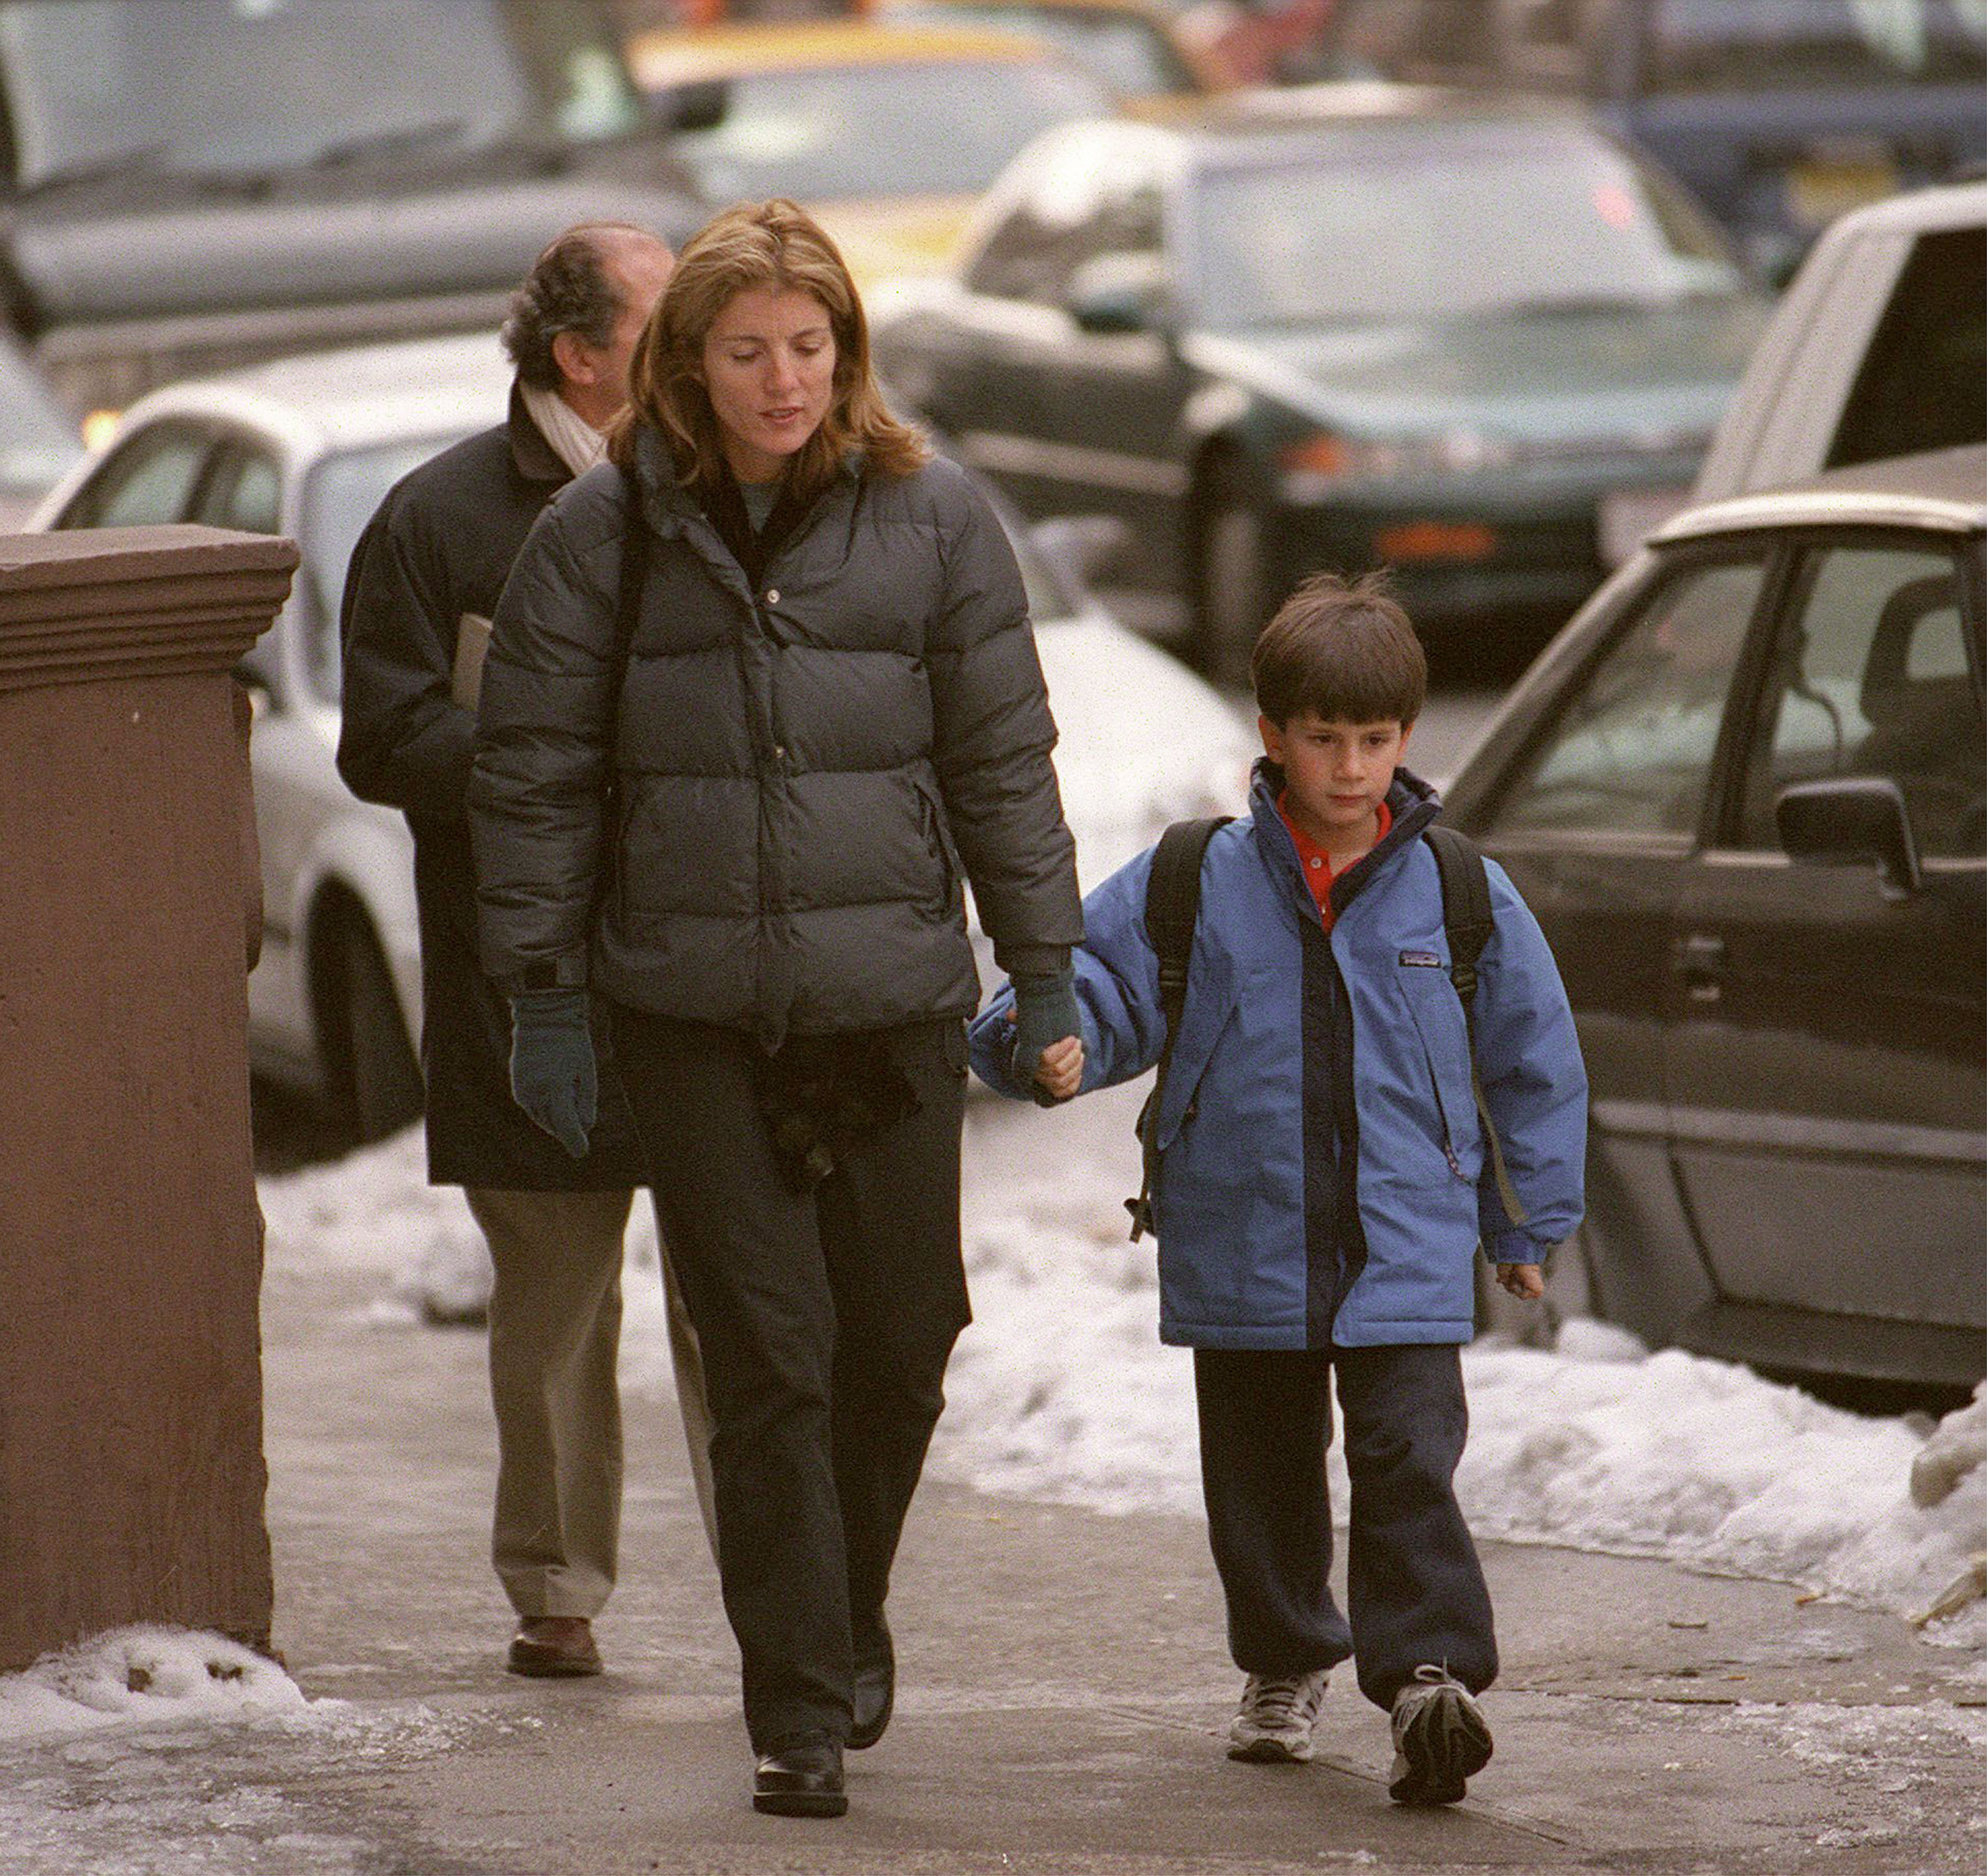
(1524, 1280)
(1060, 1071)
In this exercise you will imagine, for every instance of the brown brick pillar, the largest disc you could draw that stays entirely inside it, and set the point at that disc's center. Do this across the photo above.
(131, 1471)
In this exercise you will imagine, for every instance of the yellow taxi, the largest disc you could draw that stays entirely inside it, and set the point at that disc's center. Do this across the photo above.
(888, 134)
(1140, 49)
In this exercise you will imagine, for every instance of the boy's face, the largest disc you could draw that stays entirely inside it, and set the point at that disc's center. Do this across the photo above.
(1337, 773)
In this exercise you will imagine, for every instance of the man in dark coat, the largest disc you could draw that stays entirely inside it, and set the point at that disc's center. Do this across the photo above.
(423, 585)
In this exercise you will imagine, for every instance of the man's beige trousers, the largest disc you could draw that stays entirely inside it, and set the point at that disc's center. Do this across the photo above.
(554, 1332)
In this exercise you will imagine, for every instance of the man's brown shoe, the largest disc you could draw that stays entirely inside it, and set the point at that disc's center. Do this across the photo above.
(548, 1647)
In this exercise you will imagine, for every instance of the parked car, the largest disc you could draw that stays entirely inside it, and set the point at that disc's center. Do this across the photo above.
(38, 442)
(1136, 48)
(1878, 347)
(1746, 793)
(191, 187)
(1333, 327)
(888, 134)
(1778, 114)
(309, 446)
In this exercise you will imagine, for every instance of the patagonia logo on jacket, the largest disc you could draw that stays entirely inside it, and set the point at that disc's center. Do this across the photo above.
(1432, 960)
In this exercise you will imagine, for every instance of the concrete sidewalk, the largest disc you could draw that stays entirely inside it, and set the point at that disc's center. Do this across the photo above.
(1063, 1685)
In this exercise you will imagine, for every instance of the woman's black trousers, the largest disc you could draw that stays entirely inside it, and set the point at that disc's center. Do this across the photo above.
(826, 1317)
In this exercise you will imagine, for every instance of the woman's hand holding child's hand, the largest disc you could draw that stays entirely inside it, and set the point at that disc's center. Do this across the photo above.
(1523, 1280)
(1060, 1071)
(1047, 1024)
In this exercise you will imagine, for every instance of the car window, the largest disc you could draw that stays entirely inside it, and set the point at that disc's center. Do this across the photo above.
(1424, 221)
(1923, 383)
(146, 481)
(1870, 674)
(205, 85)
(1093, 196)
(1631, 750)
(245, 491)
(945, 128)
(340, 497)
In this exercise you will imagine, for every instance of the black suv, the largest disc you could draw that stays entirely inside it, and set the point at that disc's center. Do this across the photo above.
(188, 186)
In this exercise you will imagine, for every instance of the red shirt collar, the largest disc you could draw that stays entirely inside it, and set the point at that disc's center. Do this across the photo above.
(1316, 863)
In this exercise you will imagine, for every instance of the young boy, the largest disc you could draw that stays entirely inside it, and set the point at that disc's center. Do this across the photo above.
(1324, 1183)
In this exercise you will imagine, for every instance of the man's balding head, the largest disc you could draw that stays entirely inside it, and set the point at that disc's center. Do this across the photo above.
(574, 321)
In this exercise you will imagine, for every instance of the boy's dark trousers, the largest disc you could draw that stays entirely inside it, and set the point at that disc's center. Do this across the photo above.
(825, 1317)
(1415, 1590)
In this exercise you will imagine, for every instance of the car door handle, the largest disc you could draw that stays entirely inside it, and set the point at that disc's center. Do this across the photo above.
(1699, 959)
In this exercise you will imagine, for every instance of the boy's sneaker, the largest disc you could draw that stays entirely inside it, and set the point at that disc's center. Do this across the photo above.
(1273, 1724)
(1440, 1739)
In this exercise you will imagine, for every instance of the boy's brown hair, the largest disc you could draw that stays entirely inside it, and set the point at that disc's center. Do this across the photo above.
(1343, 649)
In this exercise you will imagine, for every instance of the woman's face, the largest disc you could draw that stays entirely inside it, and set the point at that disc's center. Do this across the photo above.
(769, 370)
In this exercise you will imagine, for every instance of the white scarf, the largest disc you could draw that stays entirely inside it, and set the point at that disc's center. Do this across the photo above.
(574, 441)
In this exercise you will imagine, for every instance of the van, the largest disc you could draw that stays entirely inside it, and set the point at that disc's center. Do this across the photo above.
(214, 182)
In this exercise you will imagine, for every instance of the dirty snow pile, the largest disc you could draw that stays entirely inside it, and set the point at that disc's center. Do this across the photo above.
(1060, 1389)
(141, 1675)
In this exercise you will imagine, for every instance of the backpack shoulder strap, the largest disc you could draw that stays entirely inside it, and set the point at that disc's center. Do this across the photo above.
(1172, 910)
(1172, 907)
(1466, 916)
(1468, 921)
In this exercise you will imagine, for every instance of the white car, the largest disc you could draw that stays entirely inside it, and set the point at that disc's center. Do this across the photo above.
(308, 446)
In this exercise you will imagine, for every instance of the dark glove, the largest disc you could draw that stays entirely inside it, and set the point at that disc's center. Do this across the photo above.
(553, 1077)
(1045, 1012)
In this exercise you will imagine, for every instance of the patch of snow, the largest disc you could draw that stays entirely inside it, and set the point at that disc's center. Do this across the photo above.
(141, 1675)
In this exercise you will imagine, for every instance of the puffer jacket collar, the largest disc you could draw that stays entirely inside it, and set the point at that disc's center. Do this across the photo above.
(1412, 802)
(673, 512)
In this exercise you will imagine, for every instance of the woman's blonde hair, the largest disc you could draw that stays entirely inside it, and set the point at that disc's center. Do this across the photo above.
(772, 245)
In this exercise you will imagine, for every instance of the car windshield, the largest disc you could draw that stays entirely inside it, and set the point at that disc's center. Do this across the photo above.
(340, 497)
(1701, 45)
(206, 86)
(36, 443)
(1130, 54)
(945, 128)
(1420, 222)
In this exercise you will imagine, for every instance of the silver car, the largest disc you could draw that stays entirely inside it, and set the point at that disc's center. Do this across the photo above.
(309, 446)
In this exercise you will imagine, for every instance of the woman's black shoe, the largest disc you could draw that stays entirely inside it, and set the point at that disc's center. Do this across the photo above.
(800, 1781)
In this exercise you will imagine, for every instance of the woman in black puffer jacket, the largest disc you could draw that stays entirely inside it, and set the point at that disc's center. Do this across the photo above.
(761, 693)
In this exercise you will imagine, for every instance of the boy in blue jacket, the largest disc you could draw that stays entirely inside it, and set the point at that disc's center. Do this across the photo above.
(1324, 1183)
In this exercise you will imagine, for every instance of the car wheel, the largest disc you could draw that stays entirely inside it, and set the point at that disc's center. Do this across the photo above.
(373, 1075)
(1231, 600)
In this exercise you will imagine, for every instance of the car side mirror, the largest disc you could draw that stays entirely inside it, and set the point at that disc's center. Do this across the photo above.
(1851, 820)
(1083, 549)
(1121, 293)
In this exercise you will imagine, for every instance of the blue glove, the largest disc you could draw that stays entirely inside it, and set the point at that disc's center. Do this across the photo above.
(1045, 1012)
(553, 1077)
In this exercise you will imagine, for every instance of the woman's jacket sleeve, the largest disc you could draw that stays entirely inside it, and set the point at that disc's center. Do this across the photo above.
(538, 794)
(992, 735)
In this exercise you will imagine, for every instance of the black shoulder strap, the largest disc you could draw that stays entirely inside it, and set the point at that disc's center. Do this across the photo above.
(1468, 921)
(1466, 916)
(634, 568)
(1173, 909)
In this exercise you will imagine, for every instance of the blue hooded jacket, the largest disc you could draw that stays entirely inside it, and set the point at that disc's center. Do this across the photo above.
(1323, 1178)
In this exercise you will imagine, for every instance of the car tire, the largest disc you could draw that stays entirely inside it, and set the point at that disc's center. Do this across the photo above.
(1231, 596)
(373, 1075)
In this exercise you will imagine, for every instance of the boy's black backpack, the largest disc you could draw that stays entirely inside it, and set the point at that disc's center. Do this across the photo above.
(1173, 909)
